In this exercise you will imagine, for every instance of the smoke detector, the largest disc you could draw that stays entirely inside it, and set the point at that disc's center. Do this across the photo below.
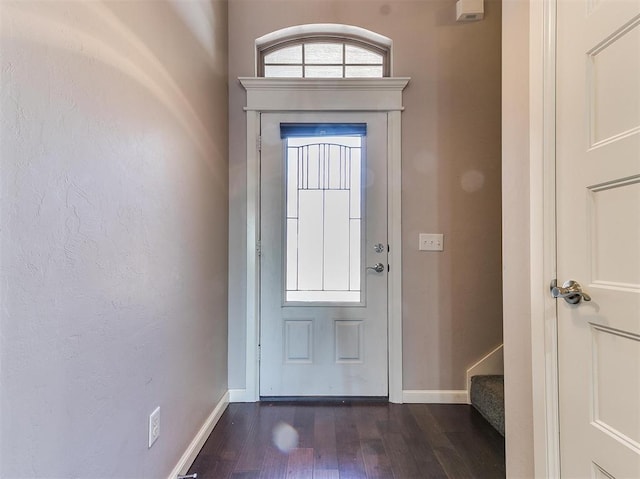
(469, 10)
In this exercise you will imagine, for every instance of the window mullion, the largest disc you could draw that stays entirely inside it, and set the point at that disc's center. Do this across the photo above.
(304, 61)
(344, 60)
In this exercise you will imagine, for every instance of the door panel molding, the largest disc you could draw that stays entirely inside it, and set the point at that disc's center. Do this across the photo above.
(291, 95)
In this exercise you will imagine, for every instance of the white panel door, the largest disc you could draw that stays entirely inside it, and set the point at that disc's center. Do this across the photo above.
(598, 227)
(323, 313)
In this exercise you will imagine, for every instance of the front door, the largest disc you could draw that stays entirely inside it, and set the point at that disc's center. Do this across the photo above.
(598, 227)
(323, 254)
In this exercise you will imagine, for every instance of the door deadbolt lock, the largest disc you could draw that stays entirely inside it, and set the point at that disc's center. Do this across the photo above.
(378, 248)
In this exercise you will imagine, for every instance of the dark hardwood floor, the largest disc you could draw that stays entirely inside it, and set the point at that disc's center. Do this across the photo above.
(351, 440)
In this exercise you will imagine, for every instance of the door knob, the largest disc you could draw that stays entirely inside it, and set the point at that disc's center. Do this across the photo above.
(378, 267)
(570, 291)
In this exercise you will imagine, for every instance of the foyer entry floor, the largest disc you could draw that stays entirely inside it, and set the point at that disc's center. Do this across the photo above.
(351, 440)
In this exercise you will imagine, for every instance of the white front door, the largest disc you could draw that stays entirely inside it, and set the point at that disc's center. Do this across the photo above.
(323, 228)
(598, 227)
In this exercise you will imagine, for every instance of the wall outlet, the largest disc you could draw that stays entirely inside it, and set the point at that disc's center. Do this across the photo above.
(154, 426)
(430, 242)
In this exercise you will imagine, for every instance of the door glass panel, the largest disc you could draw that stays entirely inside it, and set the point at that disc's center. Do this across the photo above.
(323, 219)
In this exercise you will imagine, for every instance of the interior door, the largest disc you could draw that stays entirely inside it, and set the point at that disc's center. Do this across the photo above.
(598, 227)
(323, 262)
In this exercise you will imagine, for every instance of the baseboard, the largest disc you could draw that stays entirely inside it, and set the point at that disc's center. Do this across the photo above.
(436, 396)
(198, 441)
(492, 363)
(240, 395)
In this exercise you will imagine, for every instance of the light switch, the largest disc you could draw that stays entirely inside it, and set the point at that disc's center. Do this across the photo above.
(430, 242)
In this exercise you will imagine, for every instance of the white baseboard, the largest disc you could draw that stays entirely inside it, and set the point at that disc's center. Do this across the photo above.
(456, 396)
(194, 448)
(492, 363)
(240, 395)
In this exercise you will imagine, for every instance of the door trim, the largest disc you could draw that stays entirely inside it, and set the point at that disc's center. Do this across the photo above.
(295, 95)
(542, 148)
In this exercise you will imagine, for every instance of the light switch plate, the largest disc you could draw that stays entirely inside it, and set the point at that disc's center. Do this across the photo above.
(430, 242)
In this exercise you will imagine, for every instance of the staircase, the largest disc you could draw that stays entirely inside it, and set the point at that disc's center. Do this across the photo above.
(487, 396)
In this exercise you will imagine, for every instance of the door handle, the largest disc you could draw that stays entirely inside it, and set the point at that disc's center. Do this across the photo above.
(378, 268)
(570, 291)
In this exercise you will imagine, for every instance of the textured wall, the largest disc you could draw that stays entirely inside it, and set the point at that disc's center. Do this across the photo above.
(451, 172)
(113, 228)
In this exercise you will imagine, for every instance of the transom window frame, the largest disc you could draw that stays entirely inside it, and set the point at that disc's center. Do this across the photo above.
(325, 33)
(337, 40)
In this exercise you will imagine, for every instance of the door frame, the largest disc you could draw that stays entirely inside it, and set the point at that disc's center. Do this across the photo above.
(542, 238)
(323, 95)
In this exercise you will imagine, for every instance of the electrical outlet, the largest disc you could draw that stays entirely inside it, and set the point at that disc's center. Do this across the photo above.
(430, 242)
(154, 426)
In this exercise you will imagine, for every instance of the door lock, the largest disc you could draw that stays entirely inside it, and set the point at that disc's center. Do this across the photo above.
(570, 291)
(378, 268)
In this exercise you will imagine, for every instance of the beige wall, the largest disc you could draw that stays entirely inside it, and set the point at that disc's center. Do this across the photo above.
(451, 172)
(113, 227)
(516, 233)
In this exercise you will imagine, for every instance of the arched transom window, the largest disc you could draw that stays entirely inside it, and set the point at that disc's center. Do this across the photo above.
(323, 51)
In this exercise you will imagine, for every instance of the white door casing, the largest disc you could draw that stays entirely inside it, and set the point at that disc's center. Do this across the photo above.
(598, 236)
(336, 344)
(298, 95)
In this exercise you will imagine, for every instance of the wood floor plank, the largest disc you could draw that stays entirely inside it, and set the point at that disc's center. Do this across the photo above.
(421, 450)
(224, 426)
(300, 465)
(220, 452)
(303, 423)
(429, 426)
(352, 440)
(243, 424)
(324, 440)
(481, 460)
(454, 465)
(260, 438)
(275, 464)
(275, 461)
(326, 474)
(376, 461)
(452, 417)
(350, 460)
(246, 475)
(402, 461)
(367, 418)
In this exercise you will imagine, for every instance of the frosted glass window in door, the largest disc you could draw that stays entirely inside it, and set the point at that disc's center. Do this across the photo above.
(323, 219)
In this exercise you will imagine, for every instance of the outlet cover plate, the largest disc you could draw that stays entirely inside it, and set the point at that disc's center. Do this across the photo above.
(154, 426)
(430, 242)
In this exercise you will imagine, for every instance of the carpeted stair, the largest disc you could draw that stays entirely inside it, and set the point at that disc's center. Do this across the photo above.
(487, 396)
